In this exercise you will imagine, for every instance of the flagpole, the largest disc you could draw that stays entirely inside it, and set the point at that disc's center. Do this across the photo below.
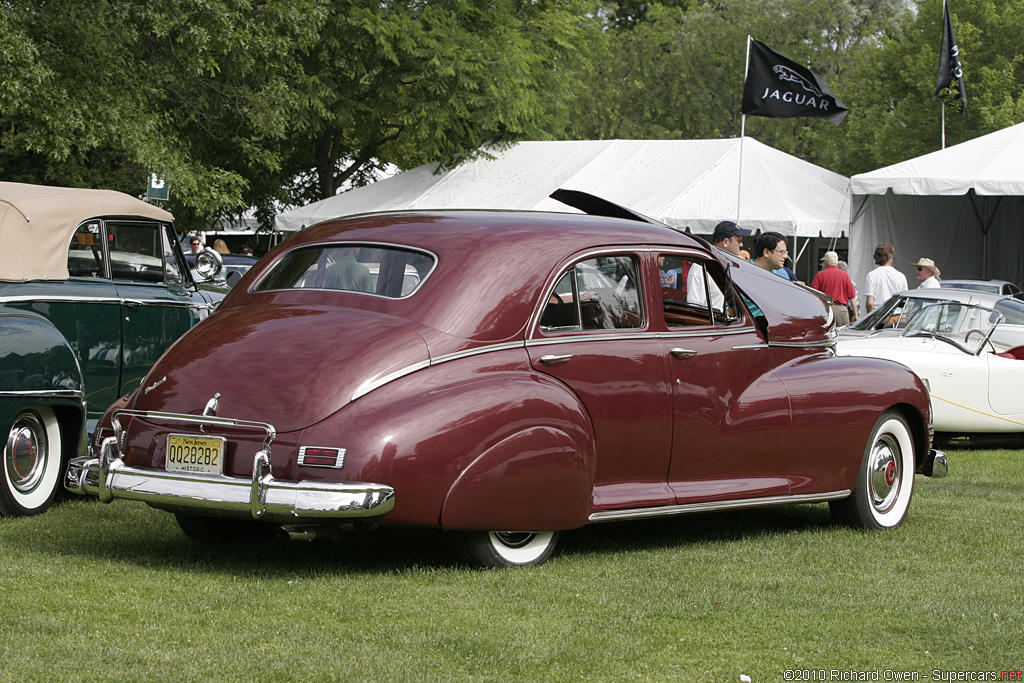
(943, 125)
(743, 133)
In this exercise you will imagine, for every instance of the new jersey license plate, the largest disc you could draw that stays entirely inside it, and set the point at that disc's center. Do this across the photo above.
(191, 453)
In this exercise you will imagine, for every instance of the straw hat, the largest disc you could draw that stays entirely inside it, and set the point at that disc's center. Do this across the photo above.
(927, 263)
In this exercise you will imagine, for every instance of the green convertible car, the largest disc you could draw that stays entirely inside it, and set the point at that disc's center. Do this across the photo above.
(93, 289)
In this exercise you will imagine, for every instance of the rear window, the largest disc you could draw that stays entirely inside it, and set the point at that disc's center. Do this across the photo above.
(392, 272)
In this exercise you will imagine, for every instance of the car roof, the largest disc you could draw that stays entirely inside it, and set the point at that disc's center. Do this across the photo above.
(952, 294)
(37, 222)
(493, 266)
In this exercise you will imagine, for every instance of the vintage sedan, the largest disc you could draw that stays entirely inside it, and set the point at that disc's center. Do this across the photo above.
(511, 395)
(974, 383)
(93, 288)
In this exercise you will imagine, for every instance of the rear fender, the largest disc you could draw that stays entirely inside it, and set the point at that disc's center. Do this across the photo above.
(483, 438)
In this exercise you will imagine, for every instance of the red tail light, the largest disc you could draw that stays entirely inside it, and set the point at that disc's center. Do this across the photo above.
(317, 456)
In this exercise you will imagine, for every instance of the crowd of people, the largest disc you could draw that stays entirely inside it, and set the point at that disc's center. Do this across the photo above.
(771, 253)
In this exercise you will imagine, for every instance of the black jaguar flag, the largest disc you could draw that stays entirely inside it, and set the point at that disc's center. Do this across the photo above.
(778, 87)
(949, 62)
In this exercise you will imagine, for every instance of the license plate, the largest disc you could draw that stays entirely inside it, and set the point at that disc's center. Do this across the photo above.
(190, 453)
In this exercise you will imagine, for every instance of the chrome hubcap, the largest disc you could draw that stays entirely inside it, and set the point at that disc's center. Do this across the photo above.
(514, 539)
(884, 473)
(26, 452)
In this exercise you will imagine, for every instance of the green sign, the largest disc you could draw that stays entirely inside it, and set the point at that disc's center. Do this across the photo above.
(157, 187)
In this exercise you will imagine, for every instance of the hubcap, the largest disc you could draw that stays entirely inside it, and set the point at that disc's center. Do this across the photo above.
(26, 453)
(514, 539)
(884, 473)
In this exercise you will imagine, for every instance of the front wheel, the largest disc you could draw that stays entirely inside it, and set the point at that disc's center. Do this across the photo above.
(497, 549)
(31, 463)
(885, 483)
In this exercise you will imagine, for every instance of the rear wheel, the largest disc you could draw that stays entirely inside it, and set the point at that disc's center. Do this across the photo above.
(220, 530)
(31, 463)
(885, 483)
(497, 549)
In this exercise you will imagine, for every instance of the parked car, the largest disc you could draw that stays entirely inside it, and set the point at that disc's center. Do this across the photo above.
(234, 266)
(1002, 287)
(485, 404)
(892, 317)
(975, 387)
(93, 288)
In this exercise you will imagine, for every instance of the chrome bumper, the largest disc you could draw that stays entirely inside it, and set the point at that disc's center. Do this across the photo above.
(261, 496)
(934, 465)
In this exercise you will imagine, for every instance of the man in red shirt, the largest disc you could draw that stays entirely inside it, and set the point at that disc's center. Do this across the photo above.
(838, 285)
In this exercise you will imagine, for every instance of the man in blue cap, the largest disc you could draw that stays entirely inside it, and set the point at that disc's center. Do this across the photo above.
(728, 237)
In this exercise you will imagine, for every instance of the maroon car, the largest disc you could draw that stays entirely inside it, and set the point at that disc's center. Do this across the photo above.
(545, 371)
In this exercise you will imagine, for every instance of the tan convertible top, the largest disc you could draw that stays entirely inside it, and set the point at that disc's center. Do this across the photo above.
(37, 222)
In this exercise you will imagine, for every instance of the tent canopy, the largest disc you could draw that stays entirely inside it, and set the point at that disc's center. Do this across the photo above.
(962, 206)
(682, 183)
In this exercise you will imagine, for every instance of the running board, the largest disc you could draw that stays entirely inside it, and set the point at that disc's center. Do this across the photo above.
(714, 506)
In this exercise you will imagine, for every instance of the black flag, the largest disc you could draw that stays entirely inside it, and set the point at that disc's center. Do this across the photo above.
(949, 62)
(780, 88)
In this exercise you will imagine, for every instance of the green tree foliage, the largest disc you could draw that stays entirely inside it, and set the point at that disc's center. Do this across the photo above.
(100, 92)
(897, 116)
(407, 83)
(679, 73)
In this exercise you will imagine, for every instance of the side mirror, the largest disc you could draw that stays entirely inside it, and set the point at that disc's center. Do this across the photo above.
(209, 263)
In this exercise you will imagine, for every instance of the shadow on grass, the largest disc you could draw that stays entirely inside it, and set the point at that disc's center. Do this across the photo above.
(133, 534)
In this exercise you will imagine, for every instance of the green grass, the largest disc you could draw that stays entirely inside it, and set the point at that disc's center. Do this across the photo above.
(92, 592)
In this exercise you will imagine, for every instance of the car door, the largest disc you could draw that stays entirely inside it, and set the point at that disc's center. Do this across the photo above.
(731, 414)
(159, 303)
(595, 335)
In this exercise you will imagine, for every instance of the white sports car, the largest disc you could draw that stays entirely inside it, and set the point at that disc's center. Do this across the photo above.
(975, 386)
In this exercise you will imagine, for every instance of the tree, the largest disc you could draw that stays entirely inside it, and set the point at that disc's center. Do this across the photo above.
(679, 73)
(897, 116)
(98, 93)
(412, 82)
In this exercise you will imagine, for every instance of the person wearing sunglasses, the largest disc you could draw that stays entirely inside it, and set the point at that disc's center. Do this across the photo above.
(927, 274)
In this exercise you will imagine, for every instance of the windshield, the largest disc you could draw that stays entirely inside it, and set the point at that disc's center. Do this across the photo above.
(964, 326)
(895, 313)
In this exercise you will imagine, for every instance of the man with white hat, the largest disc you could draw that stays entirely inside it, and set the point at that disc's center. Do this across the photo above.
(927, 273)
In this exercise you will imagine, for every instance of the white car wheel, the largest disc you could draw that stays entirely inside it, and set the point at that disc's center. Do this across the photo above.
(496, 549)
(885, 483)
(31, 463)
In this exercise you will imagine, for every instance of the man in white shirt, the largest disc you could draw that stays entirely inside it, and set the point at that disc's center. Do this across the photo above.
(927, 274)
(728, 237)
(884, 281)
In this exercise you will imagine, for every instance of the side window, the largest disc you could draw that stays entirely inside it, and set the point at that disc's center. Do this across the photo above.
(136, 251)
(694, 292)
(601, 293)
(175, 268)
(85, 257)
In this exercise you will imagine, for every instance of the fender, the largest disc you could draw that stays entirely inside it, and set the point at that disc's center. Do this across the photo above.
(36, 359)
(837, 424)
(483, 442)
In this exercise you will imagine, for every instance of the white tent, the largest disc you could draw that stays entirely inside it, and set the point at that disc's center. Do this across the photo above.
(683, 183)
(962, 206)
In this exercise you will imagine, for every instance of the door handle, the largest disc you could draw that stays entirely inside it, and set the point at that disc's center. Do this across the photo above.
(548, 360)
(683, 353)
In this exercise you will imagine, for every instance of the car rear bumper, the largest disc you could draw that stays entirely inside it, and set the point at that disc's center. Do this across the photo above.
(261, 497)
(934, 464)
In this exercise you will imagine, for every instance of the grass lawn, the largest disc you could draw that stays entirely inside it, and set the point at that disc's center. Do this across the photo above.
(93, 592)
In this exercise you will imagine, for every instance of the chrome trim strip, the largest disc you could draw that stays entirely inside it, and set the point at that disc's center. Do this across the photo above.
(369, 386)
(714, 506)
(505, 346)
(803, 345)
(124, 301)
(56, 393)
(591, 337)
